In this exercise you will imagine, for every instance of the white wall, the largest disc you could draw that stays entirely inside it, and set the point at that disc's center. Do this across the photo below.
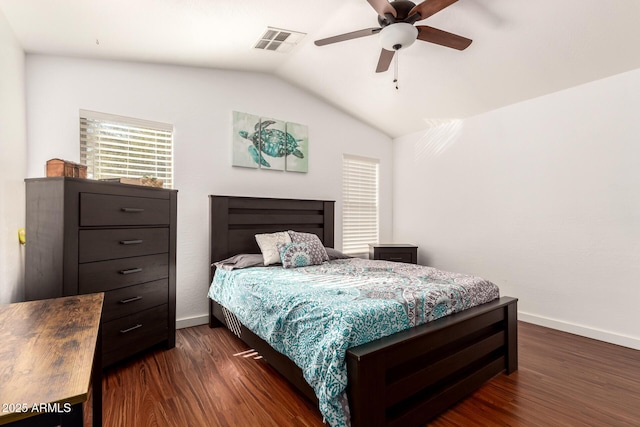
(541, 197)
(199, 102)
(13, 157)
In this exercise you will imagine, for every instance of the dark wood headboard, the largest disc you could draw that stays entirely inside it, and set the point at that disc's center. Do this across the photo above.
(236, 220)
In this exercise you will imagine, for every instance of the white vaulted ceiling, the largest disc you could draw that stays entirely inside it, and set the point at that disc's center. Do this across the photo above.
(521, 48)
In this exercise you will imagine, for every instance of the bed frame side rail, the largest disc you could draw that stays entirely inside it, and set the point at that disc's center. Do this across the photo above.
(420, 372)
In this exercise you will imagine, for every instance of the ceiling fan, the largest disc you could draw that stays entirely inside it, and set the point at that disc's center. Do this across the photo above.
(397, 31)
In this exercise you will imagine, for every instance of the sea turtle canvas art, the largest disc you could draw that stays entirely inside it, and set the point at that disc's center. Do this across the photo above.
(243, 122)
(298, 163)
(269, 143)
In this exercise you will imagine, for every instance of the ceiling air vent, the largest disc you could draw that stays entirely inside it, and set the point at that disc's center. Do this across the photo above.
(279, 40)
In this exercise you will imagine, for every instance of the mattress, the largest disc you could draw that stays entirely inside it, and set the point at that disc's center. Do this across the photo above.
(314, 314)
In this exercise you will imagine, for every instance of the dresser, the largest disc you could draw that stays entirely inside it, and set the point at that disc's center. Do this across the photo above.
(398, 252)
(86, 236)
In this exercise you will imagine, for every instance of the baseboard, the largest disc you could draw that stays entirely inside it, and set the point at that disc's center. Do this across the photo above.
(192, 321)
(596, 334)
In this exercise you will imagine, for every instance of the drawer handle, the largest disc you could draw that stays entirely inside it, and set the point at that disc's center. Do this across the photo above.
(131, 242)
(133, 328)
(130, 271)
(395, 259)
(128, 300)
(132, 210)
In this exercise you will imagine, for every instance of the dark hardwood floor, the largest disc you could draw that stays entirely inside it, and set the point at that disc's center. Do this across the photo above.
(563, 380)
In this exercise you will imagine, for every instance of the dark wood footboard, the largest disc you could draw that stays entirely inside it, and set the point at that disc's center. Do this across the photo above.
(420, 372)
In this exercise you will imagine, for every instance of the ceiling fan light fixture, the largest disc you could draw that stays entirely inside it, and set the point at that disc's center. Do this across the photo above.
(398, 36)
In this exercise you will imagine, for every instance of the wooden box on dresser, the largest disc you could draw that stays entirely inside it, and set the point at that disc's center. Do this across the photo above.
(86, 236)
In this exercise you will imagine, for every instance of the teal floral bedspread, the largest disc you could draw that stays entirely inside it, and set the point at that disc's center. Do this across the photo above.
(314, 314)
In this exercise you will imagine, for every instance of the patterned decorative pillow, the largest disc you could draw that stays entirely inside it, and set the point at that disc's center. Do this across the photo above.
(295, 255)
(268, 244)
(318, 252)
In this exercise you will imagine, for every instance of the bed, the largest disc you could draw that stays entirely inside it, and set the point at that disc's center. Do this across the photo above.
(402, 379)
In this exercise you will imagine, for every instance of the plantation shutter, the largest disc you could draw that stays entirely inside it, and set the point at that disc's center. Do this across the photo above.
(121, 147)
(360, 204)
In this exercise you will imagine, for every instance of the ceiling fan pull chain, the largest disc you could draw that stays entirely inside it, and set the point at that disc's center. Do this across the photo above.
(395, 72)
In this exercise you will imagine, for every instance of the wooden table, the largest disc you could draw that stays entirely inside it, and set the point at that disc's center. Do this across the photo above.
(49, 358)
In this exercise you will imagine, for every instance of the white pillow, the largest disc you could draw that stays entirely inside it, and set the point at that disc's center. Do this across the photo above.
(269, 245)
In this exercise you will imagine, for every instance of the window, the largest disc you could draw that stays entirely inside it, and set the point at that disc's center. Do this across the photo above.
(360, 204)
(121, 147)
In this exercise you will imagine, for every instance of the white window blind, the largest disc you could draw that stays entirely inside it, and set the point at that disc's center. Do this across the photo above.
(122, 147)
(360, 204)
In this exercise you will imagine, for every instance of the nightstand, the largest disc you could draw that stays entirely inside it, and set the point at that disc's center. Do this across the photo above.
(399, 252)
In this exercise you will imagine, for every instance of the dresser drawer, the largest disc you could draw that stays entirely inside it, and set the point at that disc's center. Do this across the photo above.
(105, 209)
(397, 257)
(394, 252)
(128, 335)
(108, 275)
(132, 299)
(99, 245)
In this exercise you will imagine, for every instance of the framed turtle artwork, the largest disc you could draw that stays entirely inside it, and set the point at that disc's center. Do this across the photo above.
(297, 159)
(260, 142)
(246, 147)
(273, 143)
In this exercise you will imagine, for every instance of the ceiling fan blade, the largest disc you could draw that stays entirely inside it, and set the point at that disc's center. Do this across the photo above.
(348, 36)
(430, 7)
(385, 60)
(443, 38)
(382, 7)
